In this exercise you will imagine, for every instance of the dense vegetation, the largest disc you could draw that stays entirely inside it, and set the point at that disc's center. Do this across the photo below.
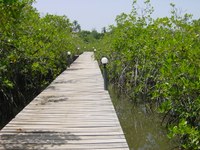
(33, 51)
(157, 62)
(154, 62)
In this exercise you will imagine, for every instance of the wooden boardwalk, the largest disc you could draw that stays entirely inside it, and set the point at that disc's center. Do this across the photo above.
(73, 112)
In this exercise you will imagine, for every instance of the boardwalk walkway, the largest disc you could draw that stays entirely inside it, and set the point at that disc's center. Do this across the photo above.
(73, 112)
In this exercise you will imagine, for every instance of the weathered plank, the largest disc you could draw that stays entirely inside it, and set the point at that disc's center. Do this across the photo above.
(73, 112)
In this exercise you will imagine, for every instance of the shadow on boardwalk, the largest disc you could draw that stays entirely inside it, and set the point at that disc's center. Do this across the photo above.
(37, 140)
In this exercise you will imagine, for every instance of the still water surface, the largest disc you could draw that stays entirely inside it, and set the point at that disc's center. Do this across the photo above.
(142, 129)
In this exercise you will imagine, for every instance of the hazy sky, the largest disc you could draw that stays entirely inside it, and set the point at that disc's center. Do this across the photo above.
(96, 14)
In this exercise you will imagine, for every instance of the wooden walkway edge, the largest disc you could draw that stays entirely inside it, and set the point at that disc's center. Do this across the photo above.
(73, 113)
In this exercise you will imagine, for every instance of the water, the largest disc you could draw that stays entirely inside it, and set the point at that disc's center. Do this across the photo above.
(143, 130)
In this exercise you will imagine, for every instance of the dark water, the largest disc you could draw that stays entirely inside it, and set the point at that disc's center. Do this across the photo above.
(143, 130)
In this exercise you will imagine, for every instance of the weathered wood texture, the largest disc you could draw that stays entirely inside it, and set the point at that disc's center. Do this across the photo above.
(73, 112)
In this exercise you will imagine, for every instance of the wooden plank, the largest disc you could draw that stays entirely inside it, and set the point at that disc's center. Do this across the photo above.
(73, 112)
(101, 146)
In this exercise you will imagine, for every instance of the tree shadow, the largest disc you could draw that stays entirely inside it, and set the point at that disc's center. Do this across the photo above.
(51, 99)
(36, 140)
(64, 82)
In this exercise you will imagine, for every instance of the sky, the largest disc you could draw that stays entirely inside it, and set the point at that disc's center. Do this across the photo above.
(96, 14)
